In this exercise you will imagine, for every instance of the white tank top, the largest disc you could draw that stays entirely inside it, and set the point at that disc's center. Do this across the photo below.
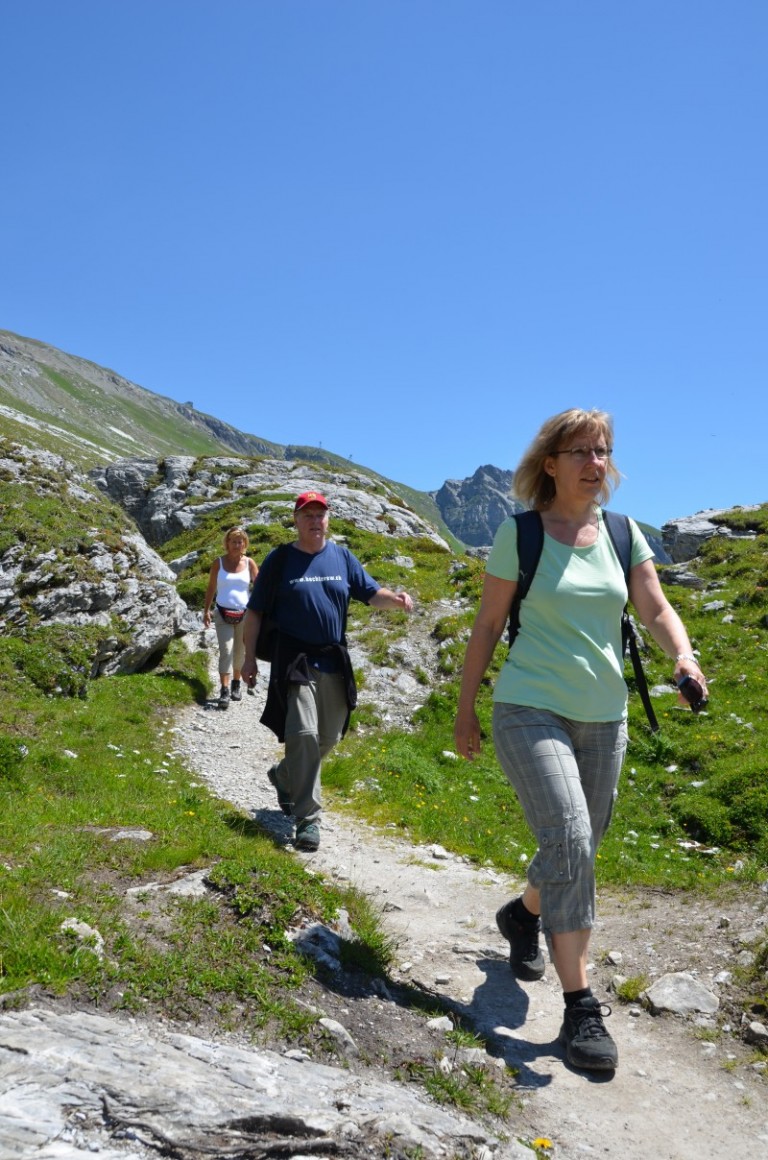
(232, 588)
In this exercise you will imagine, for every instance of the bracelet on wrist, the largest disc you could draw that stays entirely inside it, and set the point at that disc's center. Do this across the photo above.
(687, 657)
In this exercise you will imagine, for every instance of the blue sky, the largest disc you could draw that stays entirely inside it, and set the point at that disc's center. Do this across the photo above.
(407, 230)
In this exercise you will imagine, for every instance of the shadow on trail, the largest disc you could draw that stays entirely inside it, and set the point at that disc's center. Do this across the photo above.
(499, 1008)
(270, 824)
(276, 825)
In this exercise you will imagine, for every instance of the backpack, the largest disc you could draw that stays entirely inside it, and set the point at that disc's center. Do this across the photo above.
(530, 541)
(265, 643)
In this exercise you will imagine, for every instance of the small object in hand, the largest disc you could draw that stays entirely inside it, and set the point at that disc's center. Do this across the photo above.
(693, 693)
(251, 690)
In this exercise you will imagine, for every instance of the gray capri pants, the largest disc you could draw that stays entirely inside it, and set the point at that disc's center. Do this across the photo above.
(565, 775)
(231, 646)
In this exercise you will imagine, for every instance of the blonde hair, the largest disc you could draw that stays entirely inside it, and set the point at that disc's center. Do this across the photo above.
(236, 531)
(532, 485)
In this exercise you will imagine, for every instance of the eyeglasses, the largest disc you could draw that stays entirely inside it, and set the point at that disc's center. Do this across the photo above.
(582, 454)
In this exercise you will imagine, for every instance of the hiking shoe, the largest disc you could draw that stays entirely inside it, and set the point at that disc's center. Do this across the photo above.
(224, 697)
(525, 957)
(307, 836)
(236, 691)
(583, 1035)
(283, 798)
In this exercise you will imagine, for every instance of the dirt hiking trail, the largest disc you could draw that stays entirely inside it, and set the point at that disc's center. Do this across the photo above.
(673, 1097)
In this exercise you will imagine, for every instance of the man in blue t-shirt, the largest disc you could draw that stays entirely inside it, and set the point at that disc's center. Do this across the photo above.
(311, 685)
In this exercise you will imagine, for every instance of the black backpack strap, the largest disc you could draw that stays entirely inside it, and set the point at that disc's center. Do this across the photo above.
(620, 535)
(620, 531)
(277, 575)
(530, 541)
(343, 640)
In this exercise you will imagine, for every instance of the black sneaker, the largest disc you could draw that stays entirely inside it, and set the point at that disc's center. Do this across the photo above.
(583, 1035)
(307, 837)
(283, 798)
(224, 697)
(525, 957)
(236, 691)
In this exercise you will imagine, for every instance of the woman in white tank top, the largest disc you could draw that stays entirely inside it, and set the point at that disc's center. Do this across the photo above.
(229, 584)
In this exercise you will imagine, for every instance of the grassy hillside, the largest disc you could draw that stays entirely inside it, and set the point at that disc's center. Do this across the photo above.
(88, 412)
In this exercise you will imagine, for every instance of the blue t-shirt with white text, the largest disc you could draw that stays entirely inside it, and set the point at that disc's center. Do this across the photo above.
(314, 591)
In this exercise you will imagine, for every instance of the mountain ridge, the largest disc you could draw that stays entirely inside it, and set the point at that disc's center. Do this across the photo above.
(92, 415)
(74, 406)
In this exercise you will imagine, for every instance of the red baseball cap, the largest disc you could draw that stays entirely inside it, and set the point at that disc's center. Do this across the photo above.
(309, 497)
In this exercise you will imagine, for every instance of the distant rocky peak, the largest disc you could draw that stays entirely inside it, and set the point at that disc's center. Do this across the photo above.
(473, 508)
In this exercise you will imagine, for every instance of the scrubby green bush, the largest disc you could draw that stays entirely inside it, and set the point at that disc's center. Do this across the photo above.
(704, 819)
(12, 754)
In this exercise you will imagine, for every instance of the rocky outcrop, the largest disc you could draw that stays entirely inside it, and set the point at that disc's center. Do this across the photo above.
(80, 1081)
(117, 585)
(173, 495)
(153, 494)
(681, 575)
(684, 537)
(473, 508)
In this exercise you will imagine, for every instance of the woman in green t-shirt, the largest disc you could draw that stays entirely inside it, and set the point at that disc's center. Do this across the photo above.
(559, 720)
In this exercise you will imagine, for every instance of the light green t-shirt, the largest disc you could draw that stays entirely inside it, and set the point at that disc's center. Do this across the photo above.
(567, 655)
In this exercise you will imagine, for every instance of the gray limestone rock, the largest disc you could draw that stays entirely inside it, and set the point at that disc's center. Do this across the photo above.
(683, 538)
(77, 1083)
(122, 587)
(681, 994)
(757, 1033)
(681, 575)
(167, 497)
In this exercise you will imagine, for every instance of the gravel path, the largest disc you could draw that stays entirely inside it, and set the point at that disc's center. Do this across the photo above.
(673, 1097)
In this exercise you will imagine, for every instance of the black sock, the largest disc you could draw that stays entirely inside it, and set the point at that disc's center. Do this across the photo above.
(572, 997)
(521, 912)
